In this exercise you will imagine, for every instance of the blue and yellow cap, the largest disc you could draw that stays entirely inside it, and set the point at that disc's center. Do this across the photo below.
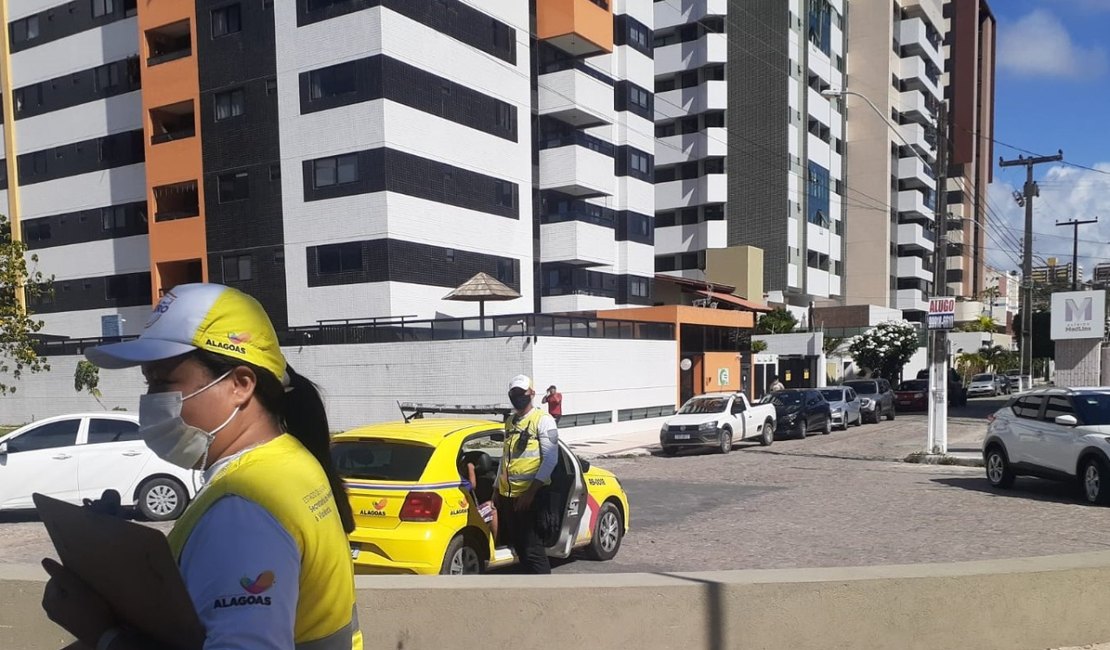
(200, 316)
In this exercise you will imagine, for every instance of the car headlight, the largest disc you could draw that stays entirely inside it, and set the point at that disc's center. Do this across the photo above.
(865, 402)
(838, 411)
(663, 429)
(706, 426)
(919, 395)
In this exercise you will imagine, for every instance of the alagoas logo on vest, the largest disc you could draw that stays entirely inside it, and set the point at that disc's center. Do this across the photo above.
(254, 588)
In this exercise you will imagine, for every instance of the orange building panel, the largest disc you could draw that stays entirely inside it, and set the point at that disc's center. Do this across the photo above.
(579, 27)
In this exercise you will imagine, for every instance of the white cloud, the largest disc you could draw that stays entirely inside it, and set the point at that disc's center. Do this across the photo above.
(1066, 193)
(1039, 45)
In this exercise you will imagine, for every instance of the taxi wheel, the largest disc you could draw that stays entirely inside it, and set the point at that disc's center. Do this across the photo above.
(608, 532)
(461, 558)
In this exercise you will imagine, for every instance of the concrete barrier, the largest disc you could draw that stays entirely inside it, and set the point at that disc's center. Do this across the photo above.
(1032, 603)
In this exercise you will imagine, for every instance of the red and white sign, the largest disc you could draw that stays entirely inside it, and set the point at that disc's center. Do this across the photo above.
(942, 313)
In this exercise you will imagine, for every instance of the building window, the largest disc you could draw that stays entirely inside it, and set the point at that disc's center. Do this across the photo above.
(505, 194)
(102, 7)
(26, 29)
(229, 104)
(333, 81)
(232, 187)
(338, 170)
(339, 258)
(639, 97)
(106, 77)
(506, 271)
(638, 287)
(237, 268)
(226, 20)
(639, 162)
(271, 86)
(114, 218)
(275, 172)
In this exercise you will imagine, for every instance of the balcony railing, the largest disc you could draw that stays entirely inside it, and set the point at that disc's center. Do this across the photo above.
(575, 64)
(579, 138)
(169, 136)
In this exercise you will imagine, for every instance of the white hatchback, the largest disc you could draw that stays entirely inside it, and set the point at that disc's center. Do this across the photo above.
(77, 457)
(1053, 433)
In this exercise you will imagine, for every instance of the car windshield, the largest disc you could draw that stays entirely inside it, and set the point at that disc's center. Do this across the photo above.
(984, 377)
(380, 460)
(786, 398)
(914, 385)
(864, 387)
(1093, 408)
(833, 394)
(700, 405)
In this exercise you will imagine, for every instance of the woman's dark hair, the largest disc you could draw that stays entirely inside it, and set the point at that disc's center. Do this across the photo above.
(299, 410)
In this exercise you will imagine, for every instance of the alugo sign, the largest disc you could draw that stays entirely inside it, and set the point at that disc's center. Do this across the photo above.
(942, 313)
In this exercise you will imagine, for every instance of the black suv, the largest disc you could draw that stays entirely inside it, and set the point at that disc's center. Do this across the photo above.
(876, 398)
(799, 411)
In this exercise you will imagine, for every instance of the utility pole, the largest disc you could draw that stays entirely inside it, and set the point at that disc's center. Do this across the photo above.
(936, 441)
(1029, 191)
(1075, 248)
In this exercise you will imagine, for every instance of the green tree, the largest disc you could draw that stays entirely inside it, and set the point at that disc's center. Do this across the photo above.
(779, 321)
(982, 323)
(885, 348)
(17, 326)
(87, 378)
(832, 344)
(759, 346)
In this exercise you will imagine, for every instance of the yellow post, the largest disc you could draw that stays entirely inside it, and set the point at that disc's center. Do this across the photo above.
(9, 139)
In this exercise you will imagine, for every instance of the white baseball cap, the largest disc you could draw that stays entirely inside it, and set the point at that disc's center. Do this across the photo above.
(522, 382)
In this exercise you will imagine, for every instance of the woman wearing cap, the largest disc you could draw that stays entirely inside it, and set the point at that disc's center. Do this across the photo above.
(263, 548)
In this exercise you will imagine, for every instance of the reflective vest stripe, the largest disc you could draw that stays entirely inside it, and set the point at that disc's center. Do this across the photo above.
(339, 640)
(521, 462)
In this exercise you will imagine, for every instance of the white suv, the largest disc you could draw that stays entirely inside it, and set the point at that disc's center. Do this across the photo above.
(1054, 433)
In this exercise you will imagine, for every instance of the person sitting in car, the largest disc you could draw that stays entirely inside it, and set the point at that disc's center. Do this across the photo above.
(470, 467)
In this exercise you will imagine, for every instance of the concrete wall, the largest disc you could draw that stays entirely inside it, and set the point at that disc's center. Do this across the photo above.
(737, 266)
(363, 383)
(1078, 362)
(1019, 604)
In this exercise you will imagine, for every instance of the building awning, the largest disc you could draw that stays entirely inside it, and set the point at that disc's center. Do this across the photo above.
(737, 301)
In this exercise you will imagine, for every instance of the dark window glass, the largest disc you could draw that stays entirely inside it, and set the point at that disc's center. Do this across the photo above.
(62, 433)
(106, 77)
(1056, 406)
(506, 271)
(226, 20)
(103, 430)
(335, 171)
(229, 104)
(506, 194)
(237, 267)
(379, 460)
(233, 187)
(339, 258)
(333, 81)
(102, 8)
(1028, 407)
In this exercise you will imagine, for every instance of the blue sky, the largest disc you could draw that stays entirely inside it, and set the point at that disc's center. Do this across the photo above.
(1053, 92)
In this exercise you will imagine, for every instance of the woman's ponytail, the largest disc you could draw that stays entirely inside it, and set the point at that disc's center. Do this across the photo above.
(307, 421)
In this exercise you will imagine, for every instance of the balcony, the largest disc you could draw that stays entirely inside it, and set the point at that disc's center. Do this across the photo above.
(711, 188)
(915, 106)
(913, 174)
(172, 274)
(918, 39)
(577, 243)
(176, 201)
(691, 238)
(575, 97)
(920, 138)
(912, 205)
(168, 43)
(691, 55)
(578, 27)
(685, 12)
(913, 267)
(914, 235)
(173, 122)
(709, 143)
(916, 74)
(912, 300)
(577, 170)
(707, 96)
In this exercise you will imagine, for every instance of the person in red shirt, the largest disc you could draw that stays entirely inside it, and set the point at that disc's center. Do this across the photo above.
(554, 401)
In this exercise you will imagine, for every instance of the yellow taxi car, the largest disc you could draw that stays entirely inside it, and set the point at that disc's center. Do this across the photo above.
(415, 513)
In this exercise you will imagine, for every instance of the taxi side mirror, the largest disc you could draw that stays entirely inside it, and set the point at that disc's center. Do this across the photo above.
(3, 449)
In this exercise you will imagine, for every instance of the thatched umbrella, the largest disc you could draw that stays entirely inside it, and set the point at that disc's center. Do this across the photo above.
(479, 289)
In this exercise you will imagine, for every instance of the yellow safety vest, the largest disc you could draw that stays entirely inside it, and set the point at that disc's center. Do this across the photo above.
(286, 479)
(520, 453)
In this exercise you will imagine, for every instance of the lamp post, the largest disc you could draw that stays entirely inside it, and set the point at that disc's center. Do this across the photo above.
(936, 440)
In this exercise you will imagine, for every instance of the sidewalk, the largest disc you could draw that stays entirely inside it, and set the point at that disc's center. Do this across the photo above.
(634, 443)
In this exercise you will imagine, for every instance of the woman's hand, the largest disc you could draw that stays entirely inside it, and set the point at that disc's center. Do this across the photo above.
(70, 603)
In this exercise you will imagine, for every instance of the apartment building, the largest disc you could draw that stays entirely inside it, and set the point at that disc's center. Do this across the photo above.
(969, 48)
(743, 82)
(1100, 277)
(339, 159)
(1055, 275)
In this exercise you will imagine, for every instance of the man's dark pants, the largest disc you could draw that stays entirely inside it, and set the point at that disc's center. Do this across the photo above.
(519, 529)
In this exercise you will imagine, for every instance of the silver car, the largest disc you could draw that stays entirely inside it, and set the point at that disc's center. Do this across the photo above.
(845, 406)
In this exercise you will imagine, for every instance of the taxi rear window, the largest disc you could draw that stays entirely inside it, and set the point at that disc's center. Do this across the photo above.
(380, 460)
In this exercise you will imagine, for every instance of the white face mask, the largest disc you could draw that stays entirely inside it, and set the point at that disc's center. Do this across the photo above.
(171, 438)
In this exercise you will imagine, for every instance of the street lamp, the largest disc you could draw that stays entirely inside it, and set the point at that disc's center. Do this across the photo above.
(936, 440)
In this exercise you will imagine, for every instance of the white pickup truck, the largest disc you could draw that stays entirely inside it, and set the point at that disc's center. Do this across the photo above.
(717, 420)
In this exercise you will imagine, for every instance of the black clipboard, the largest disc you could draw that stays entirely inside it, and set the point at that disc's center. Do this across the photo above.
(131, 566)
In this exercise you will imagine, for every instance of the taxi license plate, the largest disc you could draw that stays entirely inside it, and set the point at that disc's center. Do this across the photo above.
(354, 552)
(681, 436)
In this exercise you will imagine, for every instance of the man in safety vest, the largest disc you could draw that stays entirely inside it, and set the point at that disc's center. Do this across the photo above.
(529, 455)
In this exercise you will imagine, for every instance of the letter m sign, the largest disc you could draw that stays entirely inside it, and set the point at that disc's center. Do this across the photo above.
(1078, 310)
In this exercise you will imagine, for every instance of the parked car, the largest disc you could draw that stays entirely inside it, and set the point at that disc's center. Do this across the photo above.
(1015, 379)
(1003, 384)
(982, 384)
(845, 405)
(876, 398)
(800, 411)
(717, 420)
(957, 392)
(79, 456)
(913, 395)
(415, 514)
(1052, 433)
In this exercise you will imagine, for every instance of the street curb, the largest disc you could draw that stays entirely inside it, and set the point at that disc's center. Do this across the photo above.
(943, 459)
